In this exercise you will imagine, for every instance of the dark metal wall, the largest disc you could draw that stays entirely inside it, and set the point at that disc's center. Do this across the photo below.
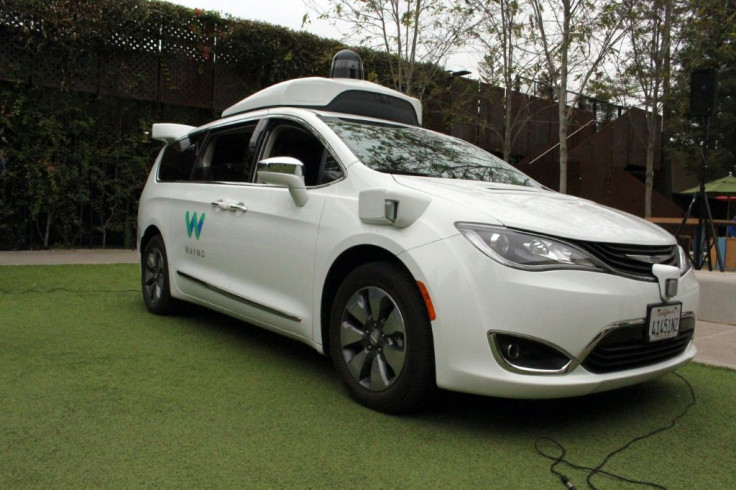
(184, 65)
(606, 151)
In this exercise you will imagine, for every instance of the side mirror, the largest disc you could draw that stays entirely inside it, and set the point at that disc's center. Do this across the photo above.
(286, 172)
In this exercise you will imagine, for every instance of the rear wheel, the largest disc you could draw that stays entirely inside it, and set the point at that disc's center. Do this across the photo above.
(381, 339)
(155, 278)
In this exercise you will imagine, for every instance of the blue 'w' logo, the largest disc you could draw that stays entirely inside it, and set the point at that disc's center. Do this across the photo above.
(194, 226)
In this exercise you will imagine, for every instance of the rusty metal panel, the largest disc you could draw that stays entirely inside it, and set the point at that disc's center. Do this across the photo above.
(491, 118)
(543, 127)
(521, 115)
(637, 129)
(462, 114)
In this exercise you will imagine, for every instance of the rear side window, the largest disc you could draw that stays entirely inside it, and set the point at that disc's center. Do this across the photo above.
(178, 160)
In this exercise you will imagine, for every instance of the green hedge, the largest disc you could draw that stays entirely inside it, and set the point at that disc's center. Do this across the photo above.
(82, 82)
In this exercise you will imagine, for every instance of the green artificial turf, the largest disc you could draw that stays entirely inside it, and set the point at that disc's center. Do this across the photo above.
(97, 392)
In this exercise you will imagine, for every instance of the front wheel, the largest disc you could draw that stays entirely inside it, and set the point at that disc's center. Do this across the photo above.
(381, 339)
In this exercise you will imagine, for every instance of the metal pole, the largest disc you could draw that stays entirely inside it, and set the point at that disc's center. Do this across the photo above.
(705, 223)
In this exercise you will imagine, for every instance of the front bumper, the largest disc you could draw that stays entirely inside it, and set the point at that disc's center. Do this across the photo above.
(569, 310)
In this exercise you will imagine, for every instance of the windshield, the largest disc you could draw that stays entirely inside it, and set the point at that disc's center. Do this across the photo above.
(409, 150)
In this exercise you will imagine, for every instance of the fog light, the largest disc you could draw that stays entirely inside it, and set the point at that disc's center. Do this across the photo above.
(512, 351)
(527, 355)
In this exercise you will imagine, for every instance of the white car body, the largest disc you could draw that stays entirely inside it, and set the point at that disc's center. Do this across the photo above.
(265, 255)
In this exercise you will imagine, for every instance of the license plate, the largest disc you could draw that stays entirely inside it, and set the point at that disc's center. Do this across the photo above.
(664, 321)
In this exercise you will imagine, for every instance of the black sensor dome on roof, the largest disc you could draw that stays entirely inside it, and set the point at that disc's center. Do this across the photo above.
(347, 64)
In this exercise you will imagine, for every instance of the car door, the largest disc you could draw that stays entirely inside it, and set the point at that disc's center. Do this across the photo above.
(195, 225)
(257, 244)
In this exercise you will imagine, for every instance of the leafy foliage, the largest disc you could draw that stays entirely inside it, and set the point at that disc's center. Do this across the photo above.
(709, 37)
(415, 35)
(68, 168)
(77, 98)
(574, 46)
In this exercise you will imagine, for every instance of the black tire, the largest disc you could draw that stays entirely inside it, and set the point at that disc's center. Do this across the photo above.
(385, 357)
(155, 284)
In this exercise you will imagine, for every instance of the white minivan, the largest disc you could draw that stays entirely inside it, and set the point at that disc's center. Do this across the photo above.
(320, 209)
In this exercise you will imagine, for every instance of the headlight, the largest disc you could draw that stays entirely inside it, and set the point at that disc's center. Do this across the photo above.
(685, 262)
(526, 251)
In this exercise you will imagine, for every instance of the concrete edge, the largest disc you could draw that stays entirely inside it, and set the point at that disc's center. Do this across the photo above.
(717, 296)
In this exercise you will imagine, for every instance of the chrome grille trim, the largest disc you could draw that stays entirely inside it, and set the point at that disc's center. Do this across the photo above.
(609, 354)
(628, 260)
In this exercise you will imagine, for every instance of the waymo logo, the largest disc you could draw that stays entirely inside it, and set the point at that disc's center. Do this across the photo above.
(193, 225)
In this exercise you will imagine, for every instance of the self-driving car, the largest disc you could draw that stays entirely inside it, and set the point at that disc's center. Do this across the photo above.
(319, 208)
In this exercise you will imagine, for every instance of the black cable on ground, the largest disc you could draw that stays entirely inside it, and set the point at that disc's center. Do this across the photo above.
(560, 458)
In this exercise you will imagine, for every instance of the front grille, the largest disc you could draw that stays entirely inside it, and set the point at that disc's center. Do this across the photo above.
(618, 257)
(627, 348)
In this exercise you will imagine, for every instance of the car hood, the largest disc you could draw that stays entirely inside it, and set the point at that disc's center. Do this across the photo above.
(543, 211)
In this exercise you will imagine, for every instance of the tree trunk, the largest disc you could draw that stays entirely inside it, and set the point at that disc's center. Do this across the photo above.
(562, 108)
(508, 127)
(660, 50)
(562, 95)
(47, 231)
(667, 106)
(651, 142)
(507, 21)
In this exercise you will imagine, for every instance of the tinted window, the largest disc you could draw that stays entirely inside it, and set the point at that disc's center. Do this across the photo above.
(290, 140)
(225, 157)
(408, 150)
(331, 170)
(178, 160)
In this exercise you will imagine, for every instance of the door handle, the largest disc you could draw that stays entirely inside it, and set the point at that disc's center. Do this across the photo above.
(239, 207)
(226, 206)
(220, 204)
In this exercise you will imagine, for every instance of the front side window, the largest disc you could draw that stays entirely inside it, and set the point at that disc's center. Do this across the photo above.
(287, 139)
(408, 150)
(226, 158)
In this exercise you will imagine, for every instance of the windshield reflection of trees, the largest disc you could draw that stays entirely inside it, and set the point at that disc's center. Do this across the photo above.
(415, 151)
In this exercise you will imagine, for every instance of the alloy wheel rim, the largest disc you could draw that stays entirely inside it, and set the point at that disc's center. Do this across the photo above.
(373, 338)
(153, 275)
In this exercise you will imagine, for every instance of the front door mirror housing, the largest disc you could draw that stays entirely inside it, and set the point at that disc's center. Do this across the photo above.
(285, 172)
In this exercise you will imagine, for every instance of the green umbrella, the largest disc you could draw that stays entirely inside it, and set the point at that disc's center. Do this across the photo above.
(722, 187)
(725, 186)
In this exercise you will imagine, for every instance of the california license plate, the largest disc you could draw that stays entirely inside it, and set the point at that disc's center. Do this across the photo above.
(664, 321)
